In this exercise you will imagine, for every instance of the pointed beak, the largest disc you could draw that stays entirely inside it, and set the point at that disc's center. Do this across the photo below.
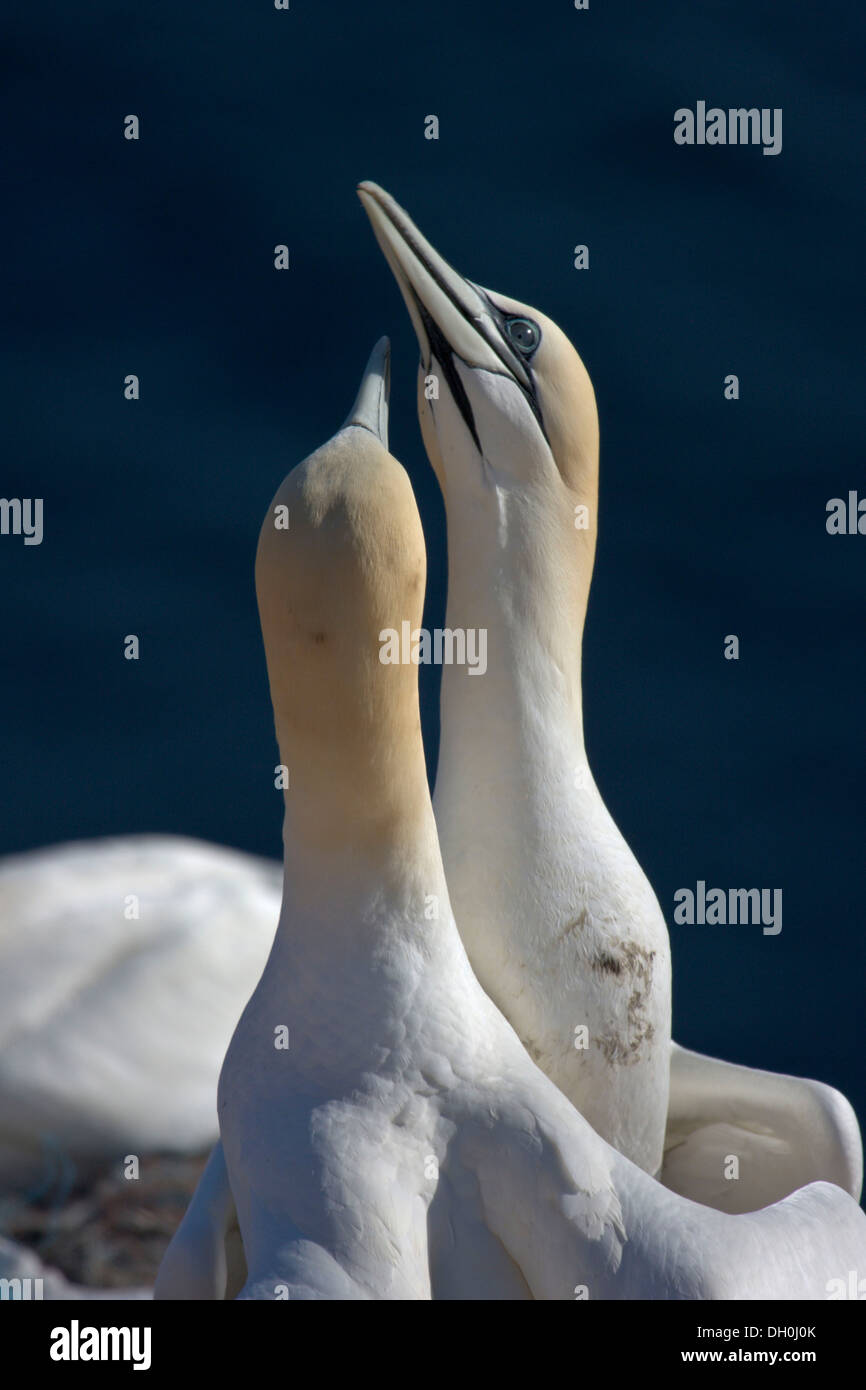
(446, 310)
(370, 410)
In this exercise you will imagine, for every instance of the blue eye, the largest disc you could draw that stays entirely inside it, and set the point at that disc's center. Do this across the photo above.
(523, 334)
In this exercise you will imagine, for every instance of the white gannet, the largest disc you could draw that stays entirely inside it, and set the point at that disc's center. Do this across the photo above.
(559, 920)
(384, 1133)
(124, 966)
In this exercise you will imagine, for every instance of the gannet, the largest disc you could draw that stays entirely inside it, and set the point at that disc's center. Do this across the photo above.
(558, 918)
(384, 1133)
(124, 966)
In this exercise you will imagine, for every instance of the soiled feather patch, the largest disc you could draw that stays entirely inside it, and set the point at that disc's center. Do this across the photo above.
(633, 965)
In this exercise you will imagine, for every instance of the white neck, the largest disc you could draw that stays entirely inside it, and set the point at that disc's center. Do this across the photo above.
(513, 737)
(363, 915)
(543, 884)
(361, 884)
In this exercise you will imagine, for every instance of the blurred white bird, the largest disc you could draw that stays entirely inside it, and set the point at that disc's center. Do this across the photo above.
(124, 966)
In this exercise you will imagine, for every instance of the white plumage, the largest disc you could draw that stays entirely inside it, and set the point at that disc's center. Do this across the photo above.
(113, 1026)
(559, 920)
(384, 1133)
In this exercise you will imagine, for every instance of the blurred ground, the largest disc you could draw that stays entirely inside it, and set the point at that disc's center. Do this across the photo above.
(109, 1233)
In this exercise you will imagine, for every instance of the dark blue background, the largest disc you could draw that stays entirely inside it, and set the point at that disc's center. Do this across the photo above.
(156, 258)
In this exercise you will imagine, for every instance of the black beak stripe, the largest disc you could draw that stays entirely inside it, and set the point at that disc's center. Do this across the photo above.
(443, 352)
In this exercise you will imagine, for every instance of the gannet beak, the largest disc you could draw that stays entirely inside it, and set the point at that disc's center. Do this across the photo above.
(370, 410)
(447, 311)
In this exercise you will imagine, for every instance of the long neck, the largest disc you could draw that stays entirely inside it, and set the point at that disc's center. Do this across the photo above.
(517, 729)
(359, 838)
(365, 911)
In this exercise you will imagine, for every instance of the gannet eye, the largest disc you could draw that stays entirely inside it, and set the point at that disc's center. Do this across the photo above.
(523, 334)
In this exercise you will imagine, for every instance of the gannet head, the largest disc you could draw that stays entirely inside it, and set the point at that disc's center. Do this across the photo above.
(516, 409)
(341, 558)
